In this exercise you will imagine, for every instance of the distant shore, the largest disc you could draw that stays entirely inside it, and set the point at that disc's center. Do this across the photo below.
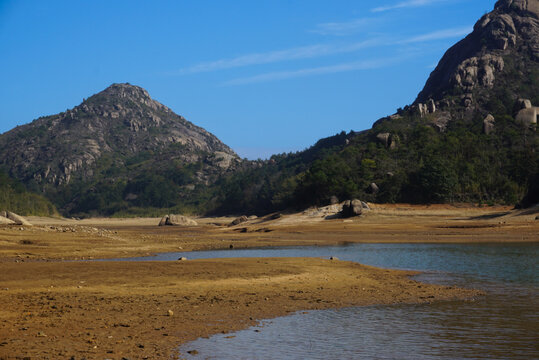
(59, 238)
(54, 309)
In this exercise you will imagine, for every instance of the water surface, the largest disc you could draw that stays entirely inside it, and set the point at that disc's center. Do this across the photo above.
(502, 325)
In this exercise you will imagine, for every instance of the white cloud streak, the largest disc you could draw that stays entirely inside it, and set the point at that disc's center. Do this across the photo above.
(439, 35)
(304, 52)
(405, 4)
(343, 28)
(313, 52)
(332, 69)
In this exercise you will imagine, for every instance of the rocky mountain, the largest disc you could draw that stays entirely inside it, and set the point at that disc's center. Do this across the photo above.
(120, 136)
(470, 136)
(503, 47)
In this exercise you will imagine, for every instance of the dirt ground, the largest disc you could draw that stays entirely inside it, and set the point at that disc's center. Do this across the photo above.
(53, 309)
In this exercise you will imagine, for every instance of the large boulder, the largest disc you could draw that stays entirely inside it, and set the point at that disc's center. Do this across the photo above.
(373, 188)
(177, 220)
(163, 221)
(351, 208)
(523, 104)
(388, 140)
(238, 221)
(17, 219)
(6, 221)
(528, 116)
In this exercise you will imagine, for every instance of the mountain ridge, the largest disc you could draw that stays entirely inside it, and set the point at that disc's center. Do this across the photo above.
(470, 136)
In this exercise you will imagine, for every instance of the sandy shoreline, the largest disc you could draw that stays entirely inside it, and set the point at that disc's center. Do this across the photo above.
(54, 309)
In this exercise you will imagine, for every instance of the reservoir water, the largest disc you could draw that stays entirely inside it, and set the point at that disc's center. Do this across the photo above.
(504, 324)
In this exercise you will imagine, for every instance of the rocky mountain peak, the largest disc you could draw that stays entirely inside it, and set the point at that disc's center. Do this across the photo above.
(119, 123)
(531, 6)
(124, 90)
(474, 63)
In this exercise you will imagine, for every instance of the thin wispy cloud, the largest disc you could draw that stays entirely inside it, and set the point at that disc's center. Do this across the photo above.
(343, 28)
(332, 69)
(304, 52)
(406, 4)
(312, 51)
(440, 34)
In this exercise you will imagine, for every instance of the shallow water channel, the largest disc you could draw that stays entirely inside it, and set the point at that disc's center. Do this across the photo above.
(502, 325)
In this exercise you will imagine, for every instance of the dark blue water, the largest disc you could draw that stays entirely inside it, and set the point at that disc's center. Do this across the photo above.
(502, 325)
(500, 262)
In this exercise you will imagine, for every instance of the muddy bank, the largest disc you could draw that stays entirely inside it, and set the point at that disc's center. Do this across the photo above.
(137, 310)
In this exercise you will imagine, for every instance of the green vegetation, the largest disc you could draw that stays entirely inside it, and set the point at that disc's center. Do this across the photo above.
(461, 164)
(14, 197)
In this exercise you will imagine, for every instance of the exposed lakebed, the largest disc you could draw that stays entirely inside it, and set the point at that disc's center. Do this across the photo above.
(501, 325)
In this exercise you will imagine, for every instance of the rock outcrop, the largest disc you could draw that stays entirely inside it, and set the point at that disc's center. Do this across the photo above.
(14, 218)
(388, 140)
(476, 61)
(238, 221)
(6, 221)
(527, 114)
(488, 124)
(351, 208)
(177, 220)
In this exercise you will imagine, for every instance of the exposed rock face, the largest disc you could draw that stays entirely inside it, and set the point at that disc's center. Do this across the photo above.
(475, 62)
(488, 124)
(524, 104)
(477, 71)
(388, 140)
(384, 138)
(121, 120)
(528, 116)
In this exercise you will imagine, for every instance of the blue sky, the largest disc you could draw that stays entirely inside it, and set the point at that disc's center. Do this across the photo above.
(265, 76)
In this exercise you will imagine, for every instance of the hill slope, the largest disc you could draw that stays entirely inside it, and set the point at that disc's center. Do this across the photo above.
(470, 135)
(117, 150)
(14, 197)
